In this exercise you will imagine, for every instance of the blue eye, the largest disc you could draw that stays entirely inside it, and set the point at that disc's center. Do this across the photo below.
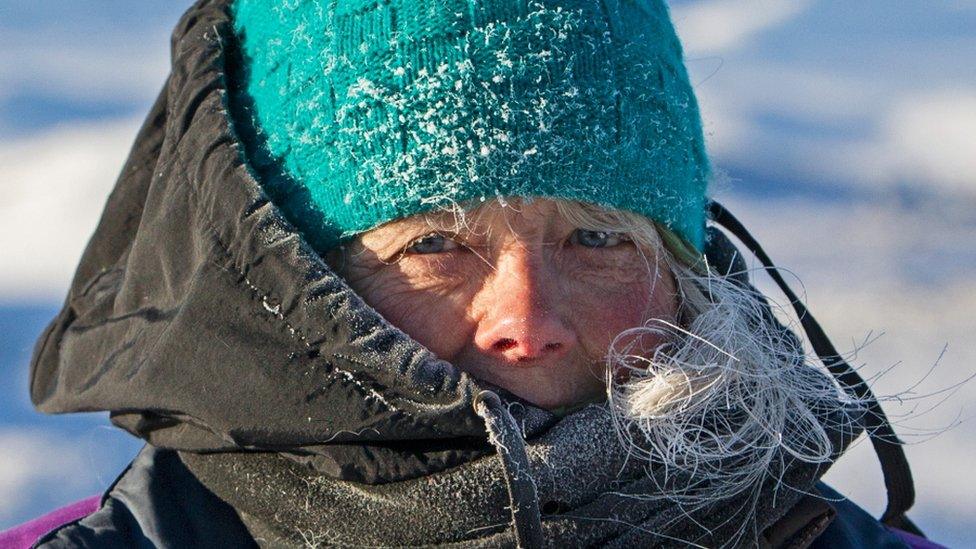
(598, 239)
(432, 244)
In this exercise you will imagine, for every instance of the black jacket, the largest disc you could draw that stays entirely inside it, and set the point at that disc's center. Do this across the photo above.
(206, 325)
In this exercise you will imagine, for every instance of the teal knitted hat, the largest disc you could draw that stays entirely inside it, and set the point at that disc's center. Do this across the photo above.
(381, 109)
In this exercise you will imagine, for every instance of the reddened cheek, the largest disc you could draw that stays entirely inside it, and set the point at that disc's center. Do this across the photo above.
(606, 317)
(440, 325)
(611, 271)
(601, 313)
(443, 274)
(430, 310)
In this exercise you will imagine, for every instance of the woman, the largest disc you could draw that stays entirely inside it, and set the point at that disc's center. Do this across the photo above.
(419, 273)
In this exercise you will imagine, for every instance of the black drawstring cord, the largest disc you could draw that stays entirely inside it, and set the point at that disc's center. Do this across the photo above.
(504, 435)
(894, 465)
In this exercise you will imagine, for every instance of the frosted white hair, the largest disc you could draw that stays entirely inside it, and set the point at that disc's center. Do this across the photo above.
(730, 397)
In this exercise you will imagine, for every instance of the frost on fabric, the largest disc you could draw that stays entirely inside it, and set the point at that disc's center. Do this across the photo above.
(412, 106)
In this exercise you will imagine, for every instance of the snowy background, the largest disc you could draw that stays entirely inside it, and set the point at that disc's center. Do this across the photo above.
(847, 131)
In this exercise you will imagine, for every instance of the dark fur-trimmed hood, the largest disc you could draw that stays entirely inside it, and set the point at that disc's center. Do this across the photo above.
(202, 321)
(205, 323)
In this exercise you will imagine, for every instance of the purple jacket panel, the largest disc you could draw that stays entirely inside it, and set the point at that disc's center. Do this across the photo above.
(915, 542)
(24, 536)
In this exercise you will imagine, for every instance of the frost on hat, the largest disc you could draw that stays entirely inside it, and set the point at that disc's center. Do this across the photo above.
(378, 110)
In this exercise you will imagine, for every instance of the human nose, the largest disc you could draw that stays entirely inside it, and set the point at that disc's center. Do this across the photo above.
(522, 319)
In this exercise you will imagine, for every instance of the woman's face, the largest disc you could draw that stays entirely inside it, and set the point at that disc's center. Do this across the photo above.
(520, 297)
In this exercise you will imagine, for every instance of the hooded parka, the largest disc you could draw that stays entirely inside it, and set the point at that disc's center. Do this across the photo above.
(281, 410)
